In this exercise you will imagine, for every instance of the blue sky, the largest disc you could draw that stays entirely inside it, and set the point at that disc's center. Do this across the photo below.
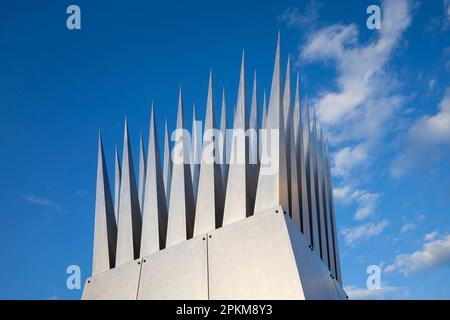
(383, 97)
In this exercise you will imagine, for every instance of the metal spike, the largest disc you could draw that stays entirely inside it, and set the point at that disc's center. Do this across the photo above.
(154, 214)
(337, 262)
(105, 229)
(310, 169)
(297, 110)
(294, 204)
(224, 142)
(167, 175)
(142, 171)
(328, 227)
(319, 195)
(209, 209)
(287, 94)
(264, 113)
(287, 123)
(117, 173)
(253, 140)
(301, 167)
(181, 212)
(196, 149)
(237, 205)
(130, 220)
(272, 188)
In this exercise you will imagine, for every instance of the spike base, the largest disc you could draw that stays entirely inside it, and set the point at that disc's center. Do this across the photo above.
(262, 257)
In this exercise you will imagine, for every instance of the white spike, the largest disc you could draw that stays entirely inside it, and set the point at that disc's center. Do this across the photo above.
(209, 209)
(310, 169)
(287, 94)
(319, 198)
(224, 142)
(181, 212)
(253, 142)
(237, 205)
(117, 173)
(333, 223)
(154, 219)
(196, 149)
(142, 172)
(272, 186)
(105, 229)
(130, 220)
(167, 175)
(301, 167)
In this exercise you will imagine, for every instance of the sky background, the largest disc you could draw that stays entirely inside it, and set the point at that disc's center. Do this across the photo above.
(383, 97)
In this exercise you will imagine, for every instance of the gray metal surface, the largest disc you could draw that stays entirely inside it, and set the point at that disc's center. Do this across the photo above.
(130, 220)
(315, 277)
(120, 283)
(252, 259)
(210, 198)
(154, 215)
(179, 272)
(105, 229)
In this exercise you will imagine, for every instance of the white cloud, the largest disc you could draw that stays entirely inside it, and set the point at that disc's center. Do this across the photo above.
(408, 227)
(424, 138)
(430, 236)
(44, 202)
(364, 231)
(367, 201)
(384, 293)
(362, 78)
(435, 252)
(348, 158)
(434, 129)
(293, 18)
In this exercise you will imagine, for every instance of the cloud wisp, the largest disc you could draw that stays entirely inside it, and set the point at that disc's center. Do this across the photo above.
(434, 253)
(364, 231)
(44, 202)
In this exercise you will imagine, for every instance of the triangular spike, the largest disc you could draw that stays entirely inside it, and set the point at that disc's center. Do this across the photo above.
(272, 183)
(310, 169)
(209, 207)
(196, 145)
(154, 216)
(181, 212)
(224, 141)
(294, 190)
(167, 175)
(263, 126)
(297, 109)
(264, 112)
(319, 197)
(253, 137)
(142, 171)
(105, 229)
(130, 220)
(117, 173)
(301, 166)
(337, 263)
(287, 94)
(237, 205)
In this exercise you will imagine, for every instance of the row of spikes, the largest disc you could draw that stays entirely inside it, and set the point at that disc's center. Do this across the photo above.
(147, 218)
